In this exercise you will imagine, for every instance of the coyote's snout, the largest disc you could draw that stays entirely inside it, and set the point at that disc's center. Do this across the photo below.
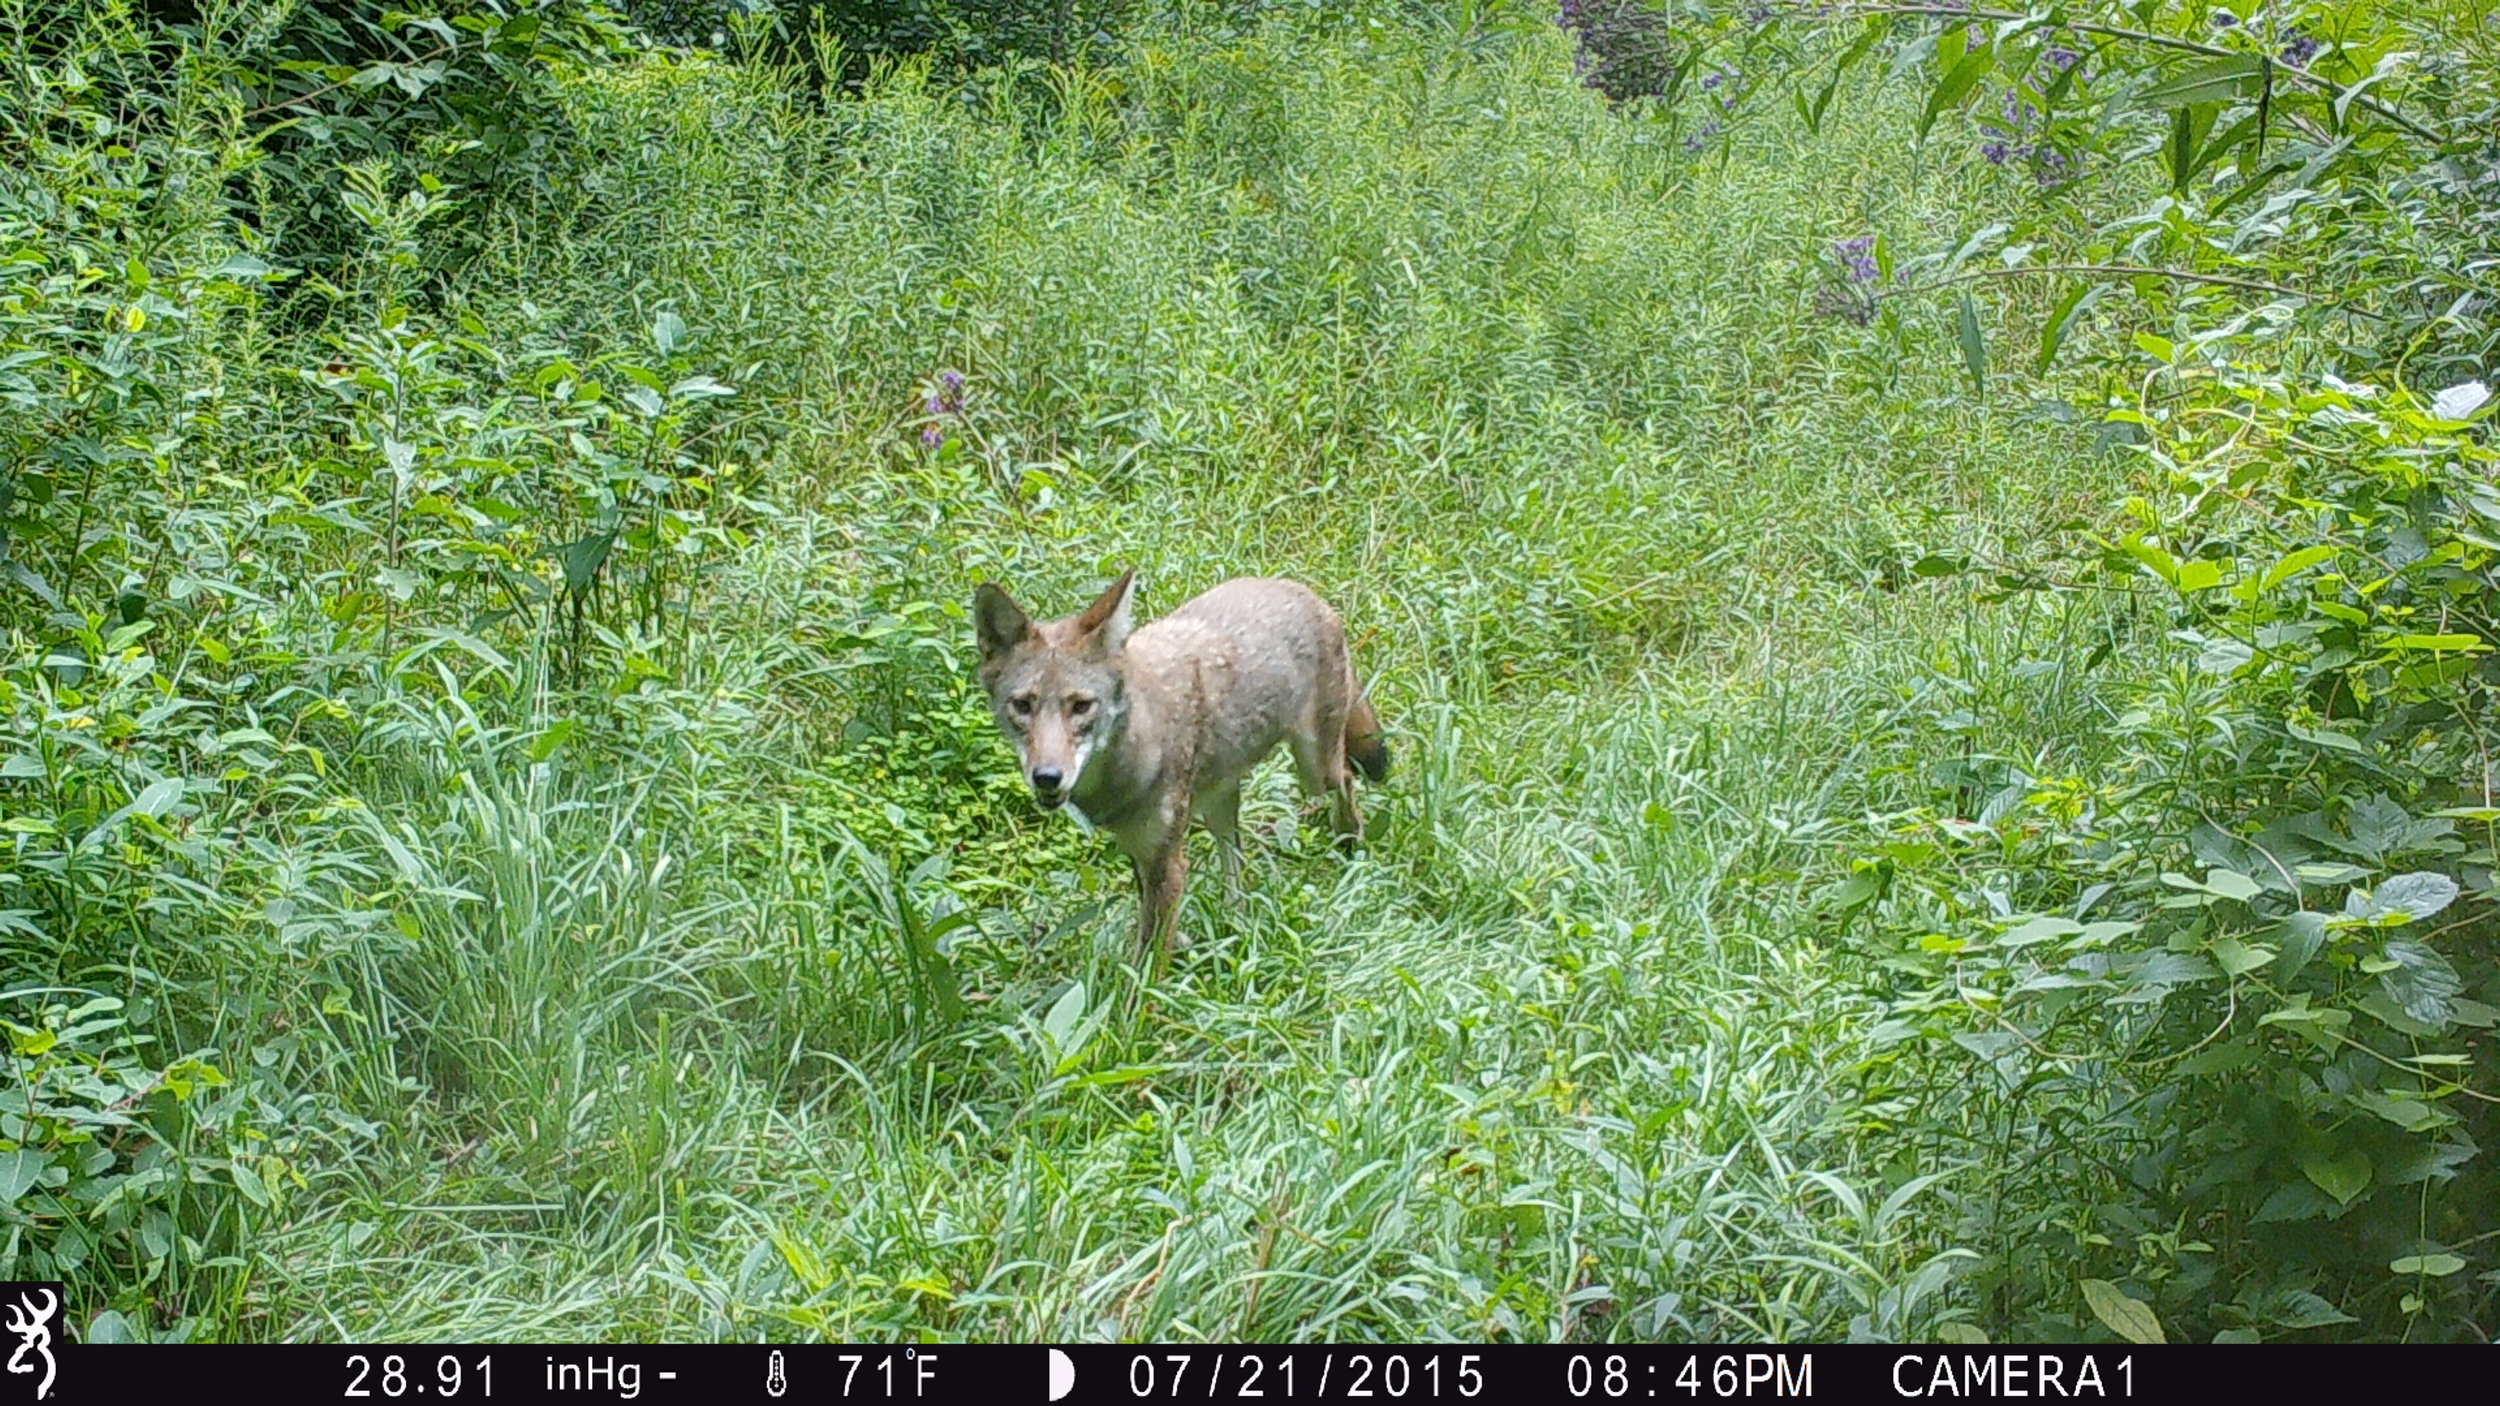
(1142, 729)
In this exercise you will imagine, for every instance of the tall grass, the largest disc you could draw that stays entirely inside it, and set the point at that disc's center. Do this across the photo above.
(684, 962)
(1538, 400)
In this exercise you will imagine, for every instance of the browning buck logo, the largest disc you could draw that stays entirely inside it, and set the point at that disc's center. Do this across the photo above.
(31, 1310)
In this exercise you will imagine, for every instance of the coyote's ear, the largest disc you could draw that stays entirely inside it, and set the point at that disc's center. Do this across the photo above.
(1000, 623)
(1106, 620)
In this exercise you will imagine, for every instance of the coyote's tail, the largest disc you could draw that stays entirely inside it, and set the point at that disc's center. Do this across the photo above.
(1365, 746)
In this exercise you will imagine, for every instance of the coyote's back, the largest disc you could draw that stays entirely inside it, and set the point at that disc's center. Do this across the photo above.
(1142, 729)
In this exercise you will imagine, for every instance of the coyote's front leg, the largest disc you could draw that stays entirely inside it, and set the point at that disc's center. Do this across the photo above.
(1161, 875)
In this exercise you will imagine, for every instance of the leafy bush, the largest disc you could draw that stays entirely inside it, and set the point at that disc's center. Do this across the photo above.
(491, 784)
(2231, 974)
(970, 32)
(460, 92)
(2226, 964)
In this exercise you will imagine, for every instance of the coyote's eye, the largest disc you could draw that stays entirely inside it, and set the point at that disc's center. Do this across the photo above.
(1079, 705)
(1022, 703)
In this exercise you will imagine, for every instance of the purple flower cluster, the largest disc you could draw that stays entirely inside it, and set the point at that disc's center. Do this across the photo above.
(1723, 81)
(1851, 298)
(2297, 51)
(1700, 139)
(2018, 138)
(1625, 49)
(947, 399)
(1759, 14)
(2006, 143)
(1858, 257)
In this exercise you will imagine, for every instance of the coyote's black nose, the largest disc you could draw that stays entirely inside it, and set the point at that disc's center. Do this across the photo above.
(1046, 779)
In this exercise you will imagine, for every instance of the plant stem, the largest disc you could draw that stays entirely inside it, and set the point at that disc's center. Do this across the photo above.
(2112, 270)
(2167, 41)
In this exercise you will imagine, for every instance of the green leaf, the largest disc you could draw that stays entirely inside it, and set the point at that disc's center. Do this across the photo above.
(2295, 563)
(2294, 1201)
(2381, 828)
(2344, 100)
(2129, 1318)
(158, 798)
(1127, 1074)
(2063, 318)
(582, 558)
(926, 942)
(2326, 737)
(2206, 84)
(247, 1180)
(2220, 882)
(2157, 561)
(2039, 930)
(1955, 86)
(2422, 984)
(1064, 1015)
(1849, 58)
(2344, 1175)
(1855, 890)
(804, 1263)
(668, 333)
(2464, 1011)
(2411, 1114)
(2436, 1266)
(1974, 351)
(2386, 1011)
(2302, 934)
(2240, 958)
(2422, 894)
(559, 732)
(2231, 883)
(2166, 969)
(2320, 1026)
(2219, 1059)
(2179, 148)
(2301, 1309)
(20, 1172)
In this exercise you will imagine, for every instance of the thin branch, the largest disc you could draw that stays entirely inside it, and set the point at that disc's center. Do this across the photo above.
(2114, 271)
(2303, 76)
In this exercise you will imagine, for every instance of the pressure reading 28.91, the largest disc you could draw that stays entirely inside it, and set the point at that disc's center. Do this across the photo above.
(393, 1382)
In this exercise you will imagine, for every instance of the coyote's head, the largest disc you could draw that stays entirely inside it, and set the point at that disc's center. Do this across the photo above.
(1057, 686)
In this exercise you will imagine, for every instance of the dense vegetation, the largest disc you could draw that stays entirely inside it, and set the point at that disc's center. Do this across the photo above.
(1931, 572)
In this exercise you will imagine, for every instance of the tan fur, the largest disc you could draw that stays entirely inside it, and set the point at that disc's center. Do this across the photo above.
(1143, 729)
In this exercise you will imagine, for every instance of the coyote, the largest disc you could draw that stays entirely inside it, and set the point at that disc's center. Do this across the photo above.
(1140, 731)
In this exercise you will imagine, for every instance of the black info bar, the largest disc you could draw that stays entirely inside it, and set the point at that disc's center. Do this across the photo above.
(977, 1374)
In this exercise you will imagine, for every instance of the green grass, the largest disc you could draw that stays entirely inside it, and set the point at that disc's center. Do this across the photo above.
(705, 973)
(1539, 402)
